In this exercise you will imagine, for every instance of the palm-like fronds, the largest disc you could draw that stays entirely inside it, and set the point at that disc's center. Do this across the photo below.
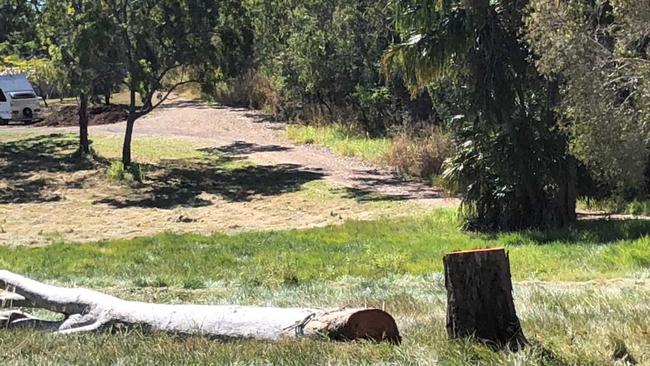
(510, 163)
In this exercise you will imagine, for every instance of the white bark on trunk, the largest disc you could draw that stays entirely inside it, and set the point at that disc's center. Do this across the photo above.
(88, 310)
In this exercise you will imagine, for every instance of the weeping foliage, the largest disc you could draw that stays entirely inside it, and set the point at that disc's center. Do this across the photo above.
(602, 56)
(512, 164)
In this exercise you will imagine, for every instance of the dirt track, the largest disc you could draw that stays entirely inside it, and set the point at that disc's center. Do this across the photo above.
(249, 133)
(43, 200)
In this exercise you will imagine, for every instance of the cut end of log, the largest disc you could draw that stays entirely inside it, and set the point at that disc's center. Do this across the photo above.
(368, 324)
(477, 251)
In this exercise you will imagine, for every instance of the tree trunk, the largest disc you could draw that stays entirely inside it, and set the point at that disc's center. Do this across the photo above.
(84, 146)
(479, 298)
(88, 310)
(107, 98)
(128, 135)
(43, 96)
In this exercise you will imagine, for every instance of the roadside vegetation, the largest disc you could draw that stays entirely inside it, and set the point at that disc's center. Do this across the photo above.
(342, 140)
(413, 156)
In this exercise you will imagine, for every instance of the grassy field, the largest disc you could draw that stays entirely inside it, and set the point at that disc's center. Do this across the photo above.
(394, 264)
(342, 141)
(367, 249)
(582, 293)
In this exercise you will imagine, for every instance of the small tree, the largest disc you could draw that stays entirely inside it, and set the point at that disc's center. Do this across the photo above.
(166, 43)
(80, 39)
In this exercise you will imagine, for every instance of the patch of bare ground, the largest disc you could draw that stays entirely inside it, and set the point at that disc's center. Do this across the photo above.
(46, 194)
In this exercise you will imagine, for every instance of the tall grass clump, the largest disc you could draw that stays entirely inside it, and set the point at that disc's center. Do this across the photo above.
(250, 90)
(420, 156)
(119, 173)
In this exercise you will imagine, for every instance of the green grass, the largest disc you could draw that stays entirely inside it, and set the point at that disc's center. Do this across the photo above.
(614, 206)
(368, 249)
(341, 141)
(145, 149)
(566, 325)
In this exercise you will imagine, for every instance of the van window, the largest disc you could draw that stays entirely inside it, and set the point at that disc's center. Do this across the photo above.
(3, 98)
(23, 95)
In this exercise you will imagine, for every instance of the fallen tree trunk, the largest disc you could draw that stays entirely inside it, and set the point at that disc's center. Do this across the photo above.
(87, 310)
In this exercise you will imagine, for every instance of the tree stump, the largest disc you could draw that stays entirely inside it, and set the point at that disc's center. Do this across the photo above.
(479, 298)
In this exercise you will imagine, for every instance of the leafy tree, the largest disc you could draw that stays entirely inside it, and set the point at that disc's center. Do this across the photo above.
(81, 41)
(168, 43)
(18, 34)
(324, 57)
(601, 60)
(40, 71)
(512, 164)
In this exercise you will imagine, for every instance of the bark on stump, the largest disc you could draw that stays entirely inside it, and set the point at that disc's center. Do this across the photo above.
(479, 298)
(88, 310)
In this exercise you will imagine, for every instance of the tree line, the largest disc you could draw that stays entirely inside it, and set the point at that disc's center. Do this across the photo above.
(546, 100)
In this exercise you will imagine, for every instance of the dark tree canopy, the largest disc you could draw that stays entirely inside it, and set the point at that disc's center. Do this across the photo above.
(512, 165)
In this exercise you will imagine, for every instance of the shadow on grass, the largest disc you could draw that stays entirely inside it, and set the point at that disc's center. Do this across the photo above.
(369, 195)
(244, 148)
(178, 183)
(23, 161)
(593, 231)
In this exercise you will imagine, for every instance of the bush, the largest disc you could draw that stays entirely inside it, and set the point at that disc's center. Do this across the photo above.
(250, 90)
(117, 172)
(420, 156)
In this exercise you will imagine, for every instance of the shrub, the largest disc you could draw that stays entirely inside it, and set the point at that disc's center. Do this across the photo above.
(251, 90)
(420, 156)
(117, 172)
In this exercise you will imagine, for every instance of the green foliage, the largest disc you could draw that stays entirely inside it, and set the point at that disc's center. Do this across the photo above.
(511, 164)
(81, 42)
(615, 205)
(119, 173)
(322, 59)
(600, 56)
(18, 33)
(342, 140)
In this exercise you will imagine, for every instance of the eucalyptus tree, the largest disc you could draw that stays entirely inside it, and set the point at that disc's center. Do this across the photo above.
(169, 43)
(601, 59)
(512, 164)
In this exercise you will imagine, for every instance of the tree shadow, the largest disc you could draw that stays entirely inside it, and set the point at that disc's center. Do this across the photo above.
(592, 232)
(369, 195)
(23, 161)
(376, 186)
(181, 184)
(244, 148)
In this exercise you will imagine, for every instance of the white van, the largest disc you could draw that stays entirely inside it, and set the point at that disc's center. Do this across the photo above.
(18, 101)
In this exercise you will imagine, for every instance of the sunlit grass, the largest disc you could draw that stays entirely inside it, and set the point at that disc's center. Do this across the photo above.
(343, 141)
(566, 324)
(369, 249)
(145, 149)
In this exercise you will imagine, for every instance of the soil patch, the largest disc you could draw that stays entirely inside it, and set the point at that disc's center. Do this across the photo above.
(97, 115)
